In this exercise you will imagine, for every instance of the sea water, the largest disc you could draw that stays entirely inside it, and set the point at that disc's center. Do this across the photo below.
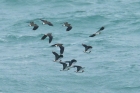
(26, 61)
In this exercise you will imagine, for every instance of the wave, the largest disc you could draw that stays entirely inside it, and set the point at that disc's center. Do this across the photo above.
(2, 40)
(22, 38)
(128, 88)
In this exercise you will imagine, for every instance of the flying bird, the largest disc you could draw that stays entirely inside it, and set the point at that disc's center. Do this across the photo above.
(35, 26)
(98, 32)
(49, 35)
(46, 22)
(60, 46)
(87, 48)
(57, 57)
(69, 27)
(65, 67)
(80, 69)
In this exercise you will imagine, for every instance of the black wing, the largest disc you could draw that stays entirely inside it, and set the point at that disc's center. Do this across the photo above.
(70, 63)
(61, 49)
(84, 45)
(64, 65)
(43, 37)
(43, 20)
(86, 48)
(92, 35)
(50, 38)
(56, 55)
(50, 24)
(102, 28)
(69, 28)
(35, 27)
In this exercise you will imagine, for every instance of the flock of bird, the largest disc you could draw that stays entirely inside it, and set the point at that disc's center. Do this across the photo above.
(66, 64)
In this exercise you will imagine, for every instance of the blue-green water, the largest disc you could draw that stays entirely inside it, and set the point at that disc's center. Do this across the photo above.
(26, 64)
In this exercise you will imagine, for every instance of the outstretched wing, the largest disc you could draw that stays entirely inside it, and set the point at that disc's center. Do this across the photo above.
(92, 35)
(43, 37)
(43, 20)
(61, 49)
(85, 46)
(35, 27)
(70, 63)
(50, 38)
(50, 24)
(64, 65)
(56, 55)
(69, 28)
(102, 28)
(73, 61)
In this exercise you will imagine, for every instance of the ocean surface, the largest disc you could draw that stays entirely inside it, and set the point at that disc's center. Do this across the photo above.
(26, 61)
